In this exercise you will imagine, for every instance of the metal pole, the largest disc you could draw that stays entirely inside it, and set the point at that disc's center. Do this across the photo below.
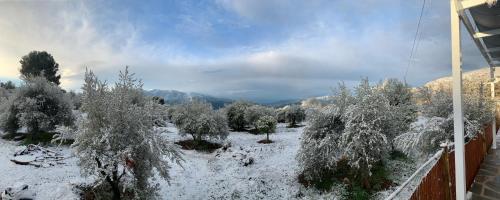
(458, 122)
(493, 123)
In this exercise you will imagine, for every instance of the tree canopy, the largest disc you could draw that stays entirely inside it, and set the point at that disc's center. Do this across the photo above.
(38, 63)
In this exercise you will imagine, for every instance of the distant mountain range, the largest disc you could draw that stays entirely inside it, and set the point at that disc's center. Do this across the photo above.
(178, 97)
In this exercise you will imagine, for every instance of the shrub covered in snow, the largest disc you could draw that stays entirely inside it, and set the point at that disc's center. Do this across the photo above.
(68, 133)
(37, 104)
(354, 130)
(8, 115)
(319, 147)
(117, 142)
(75, 99)
(253, 113)
(199, 120)
(266, 124)
(436, 124)
(402, 110)
(281, 114)
(294, 114)
(363, 141)
(236, 115)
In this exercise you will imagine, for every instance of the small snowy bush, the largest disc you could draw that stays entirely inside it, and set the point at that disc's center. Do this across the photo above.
(253, 113)
(199, 120)
(266, 124)
(117, 142)
(236, 115)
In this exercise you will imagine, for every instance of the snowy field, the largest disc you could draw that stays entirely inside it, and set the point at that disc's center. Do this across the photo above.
(222, 174)
(54, 182)
(218, 175)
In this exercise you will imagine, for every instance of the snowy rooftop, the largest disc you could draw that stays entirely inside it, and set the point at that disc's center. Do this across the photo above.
(483, 23)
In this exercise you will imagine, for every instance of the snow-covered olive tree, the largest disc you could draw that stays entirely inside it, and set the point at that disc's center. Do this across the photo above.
(281, 114)
(319, 148)
(236, 115)
(401, 111)
(38, 105)
(363, 141)
(117, 141)
(266, 124)
(342, 98)
(294, 114)
(436, 125)
(253, 113)
(199, 120)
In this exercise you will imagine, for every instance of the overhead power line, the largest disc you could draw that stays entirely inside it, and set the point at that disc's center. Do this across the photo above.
(413, 49)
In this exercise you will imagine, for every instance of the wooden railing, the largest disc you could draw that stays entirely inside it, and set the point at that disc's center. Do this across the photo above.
(434, 183)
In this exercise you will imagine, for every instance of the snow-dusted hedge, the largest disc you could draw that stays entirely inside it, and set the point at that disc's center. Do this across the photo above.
(117, 142)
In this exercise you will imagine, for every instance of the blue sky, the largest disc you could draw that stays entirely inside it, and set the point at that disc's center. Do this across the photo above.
(256, 49)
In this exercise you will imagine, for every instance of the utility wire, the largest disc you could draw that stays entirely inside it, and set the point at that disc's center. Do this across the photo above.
(415, 39)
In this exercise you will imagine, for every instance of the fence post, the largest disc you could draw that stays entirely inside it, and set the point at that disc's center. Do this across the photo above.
(485, 146)
(447, 176)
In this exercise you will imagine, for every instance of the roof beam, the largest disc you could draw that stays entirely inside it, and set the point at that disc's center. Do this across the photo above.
(465, 4)
(470, 28)
(494, 49)
(487, 33)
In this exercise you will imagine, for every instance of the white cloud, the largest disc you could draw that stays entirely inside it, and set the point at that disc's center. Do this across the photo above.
(323, 48)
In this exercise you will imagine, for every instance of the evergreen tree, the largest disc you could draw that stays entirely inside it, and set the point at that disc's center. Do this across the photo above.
(40, 63)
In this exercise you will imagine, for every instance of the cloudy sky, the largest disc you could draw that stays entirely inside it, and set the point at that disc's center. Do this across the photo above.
(256, 49)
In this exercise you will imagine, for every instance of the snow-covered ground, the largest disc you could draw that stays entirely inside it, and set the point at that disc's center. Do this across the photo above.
(54, 182)
(222, 174)
(218, 175)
